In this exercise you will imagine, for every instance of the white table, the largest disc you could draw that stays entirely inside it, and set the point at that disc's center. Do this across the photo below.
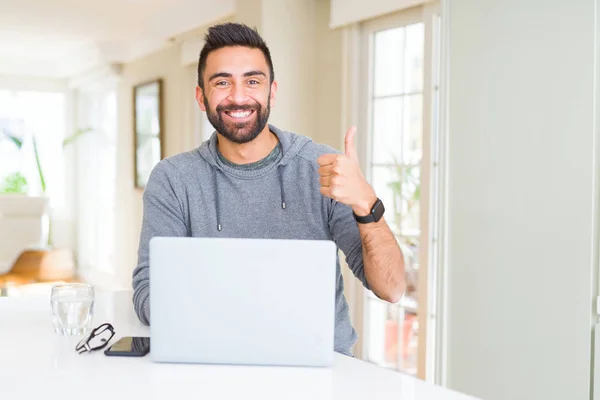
(36, 363)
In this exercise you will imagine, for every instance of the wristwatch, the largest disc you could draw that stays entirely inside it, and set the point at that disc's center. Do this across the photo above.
(374, 216)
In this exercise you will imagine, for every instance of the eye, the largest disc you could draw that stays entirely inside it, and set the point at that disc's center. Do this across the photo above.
(253, 82)
(222, 83)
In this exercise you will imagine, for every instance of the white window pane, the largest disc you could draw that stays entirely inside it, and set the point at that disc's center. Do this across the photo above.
(388, 62)
(386, 181)
(41, 115)
(411, 197)
(11, 164)
(413, 58)
(44, 114)
(399, 188)
(376, 315)
(412, 144)
(393, 337)
(387, 130)
(410, 250)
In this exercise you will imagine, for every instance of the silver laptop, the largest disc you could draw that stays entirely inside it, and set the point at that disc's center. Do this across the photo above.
(242, 301)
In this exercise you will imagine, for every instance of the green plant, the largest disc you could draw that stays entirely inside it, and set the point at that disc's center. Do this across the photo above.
(14, 183)
(18, 142)
(406, 189)
(67, 141)
(405, 186)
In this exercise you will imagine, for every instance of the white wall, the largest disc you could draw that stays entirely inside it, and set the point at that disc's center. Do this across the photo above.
(521, 211)
(164, 64)
(288, 28)
(328, 96)
(30, 83)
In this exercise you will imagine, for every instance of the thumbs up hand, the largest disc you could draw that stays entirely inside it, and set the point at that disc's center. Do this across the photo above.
(342, 180)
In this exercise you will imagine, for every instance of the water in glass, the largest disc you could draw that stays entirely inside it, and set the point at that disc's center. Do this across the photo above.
(72, 308)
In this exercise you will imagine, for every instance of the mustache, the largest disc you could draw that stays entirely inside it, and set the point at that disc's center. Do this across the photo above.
(233, 107)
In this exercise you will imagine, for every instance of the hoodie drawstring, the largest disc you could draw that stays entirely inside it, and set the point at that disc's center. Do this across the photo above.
(218, 199)
(280, 173)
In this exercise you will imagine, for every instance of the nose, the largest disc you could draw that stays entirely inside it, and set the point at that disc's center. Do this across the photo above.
(237, 94)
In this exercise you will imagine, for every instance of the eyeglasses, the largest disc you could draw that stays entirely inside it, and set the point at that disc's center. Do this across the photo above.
(97, 339)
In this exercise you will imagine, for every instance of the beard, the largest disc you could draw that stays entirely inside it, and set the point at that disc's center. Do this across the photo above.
(241, 132)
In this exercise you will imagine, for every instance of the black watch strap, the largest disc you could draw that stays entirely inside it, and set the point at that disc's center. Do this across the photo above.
(374, 215)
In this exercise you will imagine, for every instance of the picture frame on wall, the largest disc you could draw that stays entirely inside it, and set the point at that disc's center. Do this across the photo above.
(148, 130)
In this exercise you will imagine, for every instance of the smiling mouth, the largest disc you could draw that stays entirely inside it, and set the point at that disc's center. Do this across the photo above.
(239, 114)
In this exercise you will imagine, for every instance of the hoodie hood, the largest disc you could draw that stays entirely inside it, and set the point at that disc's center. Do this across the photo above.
(290, 146)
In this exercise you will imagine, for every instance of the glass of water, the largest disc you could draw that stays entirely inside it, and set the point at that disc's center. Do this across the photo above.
(72, 308)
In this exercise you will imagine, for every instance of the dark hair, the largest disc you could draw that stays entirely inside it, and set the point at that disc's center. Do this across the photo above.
(232, 34)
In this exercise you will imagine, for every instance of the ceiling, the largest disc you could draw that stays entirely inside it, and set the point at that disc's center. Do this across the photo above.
(61, 38)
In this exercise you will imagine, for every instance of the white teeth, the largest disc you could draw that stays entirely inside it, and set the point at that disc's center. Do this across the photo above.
(239, 114)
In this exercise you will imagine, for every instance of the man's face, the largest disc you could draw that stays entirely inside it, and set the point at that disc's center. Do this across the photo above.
(237, 94)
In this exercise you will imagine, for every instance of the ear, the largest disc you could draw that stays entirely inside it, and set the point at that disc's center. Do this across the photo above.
(273, 92)
(200, 98)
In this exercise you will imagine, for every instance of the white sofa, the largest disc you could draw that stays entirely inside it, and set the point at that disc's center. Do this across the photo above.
(22, 226)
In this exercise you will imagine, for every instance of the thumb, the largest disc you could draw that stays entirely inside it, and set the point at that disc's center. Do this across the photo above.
(349, 143)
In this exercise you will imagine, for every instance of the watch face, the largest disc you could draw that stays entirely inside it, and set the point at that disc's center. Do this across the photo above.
(378, 210)
(374, 216)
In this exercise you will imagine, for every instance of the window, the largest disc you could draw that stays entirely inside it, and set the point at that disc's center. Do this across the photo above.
(29, 115)
(398, 51)
(11, 162)
(397, 131)
(96, 164)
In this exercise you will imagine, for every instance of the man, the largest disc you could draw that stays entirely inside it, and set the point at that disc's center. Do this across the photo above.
(253, 180)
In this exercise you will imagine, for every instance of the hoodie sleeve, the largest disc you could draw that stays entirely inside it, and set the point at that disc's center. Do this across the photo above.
(163, 216)
(344, 230)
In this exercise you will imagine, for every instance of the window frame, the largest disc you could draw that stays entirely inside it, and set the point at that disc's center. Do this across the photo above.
(427, 288)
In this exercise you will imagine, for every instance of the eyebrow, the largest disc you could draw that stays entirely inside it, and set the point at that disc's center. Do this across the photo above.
(254, 73)
(228, 75)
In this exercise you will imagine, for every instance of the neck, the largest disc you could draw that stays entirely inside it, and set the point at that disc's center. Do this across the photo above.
(246, 153)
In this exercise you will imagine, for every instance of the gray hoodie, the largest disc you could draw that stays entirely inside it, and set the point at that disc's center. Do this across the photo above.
(196, 194)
